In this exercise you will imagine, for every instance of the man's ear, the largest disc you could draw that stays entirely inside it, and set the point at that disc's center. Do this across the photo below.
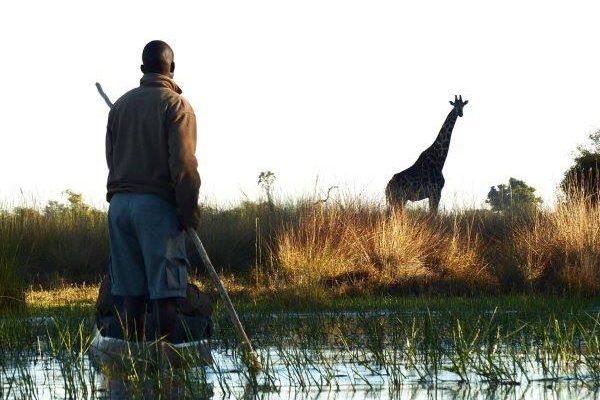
(143, 69)
(172, 66)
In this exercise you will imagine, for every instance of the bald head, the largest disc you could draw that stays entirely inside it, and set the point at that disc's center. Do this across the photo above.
(158, 58)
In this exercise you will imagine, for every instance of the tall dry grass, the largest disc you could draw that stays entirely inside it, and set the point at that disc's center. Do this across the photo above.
(12, 279)
(344, 245)
(69, 244)
(362, 247)
(560, 249)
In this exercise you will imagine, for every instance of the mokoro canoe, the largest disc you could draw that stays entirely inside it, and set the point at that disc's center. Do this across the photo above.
(109, 352)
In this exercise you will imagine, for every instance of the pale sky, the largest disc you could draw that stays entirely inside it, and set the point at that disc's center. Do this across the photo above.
(346, 92)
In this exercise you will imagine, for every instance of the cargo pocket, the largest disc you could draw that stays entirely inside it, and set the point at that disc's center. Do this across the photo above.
(177, 263)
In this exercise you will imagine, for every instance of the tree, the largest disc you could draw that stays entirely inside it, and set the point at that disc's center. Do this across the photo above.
(266, 179)
(582, 178)
(516, 196)
(75, 205)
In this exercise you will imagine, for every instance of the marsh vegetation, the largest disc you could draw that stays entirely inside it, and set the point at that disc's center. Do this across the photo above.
(386, 348)
(310, 249)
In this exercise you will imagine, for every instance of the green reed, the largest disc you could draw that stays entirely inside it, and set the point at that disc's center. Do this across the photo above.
(323, 350)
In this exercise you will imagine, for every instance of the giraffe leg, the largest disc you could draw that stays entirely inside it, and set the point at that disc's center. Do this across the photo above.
(434, 202)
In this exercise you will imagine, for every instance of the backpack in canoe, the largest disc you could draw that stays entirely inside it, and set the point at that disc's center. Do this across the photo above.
(193, 322)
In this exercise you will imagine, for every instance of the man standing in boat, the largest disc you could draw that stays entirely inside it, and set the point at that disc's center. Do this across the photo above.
(153, 186)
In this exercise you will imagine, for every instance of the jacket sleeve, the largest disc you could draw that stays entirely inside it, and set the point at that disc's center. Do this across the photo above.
(182, 160)
(108, 142)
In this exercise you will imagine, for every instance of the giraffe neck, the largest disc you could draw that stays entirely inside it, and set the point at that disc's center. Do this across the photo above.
(438, 151)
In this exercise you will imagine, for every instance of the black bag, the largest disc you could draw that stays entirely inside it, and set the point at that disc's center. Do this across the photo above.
(194, 312)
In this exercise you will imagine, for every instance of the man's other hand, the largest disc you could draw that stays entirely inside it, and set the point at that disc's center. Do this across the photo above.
(191, 220)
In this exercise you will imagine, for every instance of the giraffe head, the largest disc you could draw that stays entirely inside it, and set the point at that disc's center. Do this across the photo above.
(458, 104)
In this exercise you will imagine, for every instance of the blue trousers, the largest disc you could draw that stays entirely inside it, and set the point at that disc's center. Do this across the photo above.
(147, 247)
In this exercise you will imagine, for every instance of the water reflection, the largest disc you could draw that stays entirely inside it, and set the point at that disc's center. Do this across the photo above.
(348, 357)
(52, 379)
(117, 390)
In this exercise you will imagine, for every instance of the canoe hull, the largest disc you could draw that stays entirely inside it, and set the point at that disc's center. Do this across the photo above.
(114, 353)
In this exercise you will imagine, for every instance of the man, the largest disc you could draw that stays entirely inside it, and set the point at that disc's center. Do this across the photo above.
(153, 186)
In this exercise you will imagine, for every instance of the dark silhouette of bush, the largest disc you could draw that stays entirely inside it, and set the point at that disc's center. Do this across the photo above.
(582, 178)
(580, 181)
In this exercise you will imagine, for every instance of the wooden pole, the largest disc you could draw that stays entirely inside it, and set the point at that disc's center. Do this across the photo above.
(104, 96)
(248, 351)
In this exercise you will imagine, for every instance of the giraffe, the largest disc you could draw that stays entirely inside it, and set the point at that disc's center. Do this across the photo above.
(424, 178)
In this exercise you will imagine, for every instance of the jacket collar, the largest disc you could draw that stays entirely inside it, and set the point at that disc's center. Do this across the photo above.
(152, 79)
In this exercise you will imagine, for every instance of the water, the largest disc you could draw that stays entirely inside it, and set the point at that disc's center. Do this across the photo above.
(323, 356)
(48, 378)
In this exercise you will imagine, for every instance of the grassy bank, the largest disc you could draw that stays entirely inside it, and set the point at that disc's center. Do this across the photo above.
(312, 249)
(83, 298)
